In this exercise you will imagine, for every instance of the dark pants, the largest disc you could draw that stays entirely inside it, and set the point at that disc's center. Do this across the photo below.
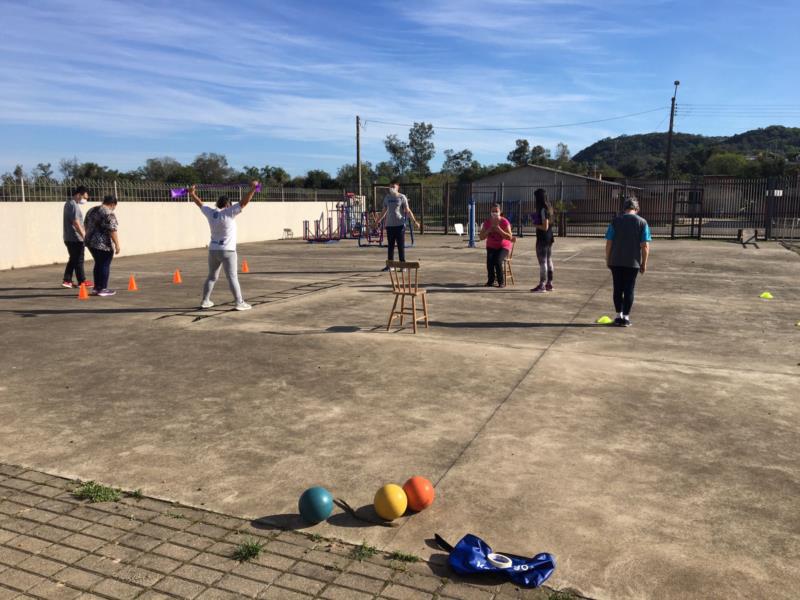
(397, 235)
(624, 282)
(102, 267)
(75, 262)
(494, 264)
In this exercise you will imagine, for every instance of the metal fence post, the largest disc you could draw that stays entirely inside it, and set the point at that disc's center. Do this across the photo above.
(116, 194)
(471, 222)
(446, 207)
(22, 186)
(422, 215)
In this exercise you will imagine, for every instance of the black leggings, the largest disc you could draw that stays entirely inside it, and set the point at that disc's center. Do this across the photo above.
(75, 262)
(102, 267)
(624, 282)
(396, 234)
(494, 264)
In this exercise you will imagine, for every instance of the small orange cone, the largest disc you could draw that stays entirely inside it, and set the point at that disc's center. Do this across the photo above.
(132, 287)
(176, 277)
(245, 266)
(83, 293)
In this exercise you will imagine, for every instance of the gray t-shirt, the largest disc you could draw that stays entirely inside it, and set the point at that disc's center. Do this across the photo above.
(627, 233)
(396, 206)
(72, 213)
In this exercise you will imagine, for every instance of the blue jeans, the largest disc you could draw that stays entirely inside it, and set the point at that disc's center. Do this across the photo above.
(102, 267)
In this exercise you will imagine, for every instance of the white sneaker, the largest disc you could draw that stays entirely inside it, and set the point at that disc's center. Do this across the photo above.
(243, 306)
(206, 304)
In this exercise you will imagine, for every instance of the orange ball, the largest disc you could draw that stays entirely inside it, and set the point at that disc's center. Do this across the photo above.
(420, 493)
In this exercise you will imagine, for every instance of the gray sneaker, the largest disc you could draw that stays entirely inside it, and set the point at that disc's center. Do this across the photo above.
(106, 292)
(206, 304)
(243, 306)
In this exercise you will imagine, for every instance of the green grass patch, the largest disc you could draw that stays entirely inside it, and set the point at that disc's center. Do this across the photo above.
(174, 515)
(565, 595)
(404, 557)
(316, 538)
(135, 494)
(363, 551)
(248, 550)
(94, 492)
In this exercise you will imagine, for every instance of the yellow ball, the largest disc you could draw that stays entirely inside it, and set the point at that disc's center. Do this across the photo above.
(390, 502)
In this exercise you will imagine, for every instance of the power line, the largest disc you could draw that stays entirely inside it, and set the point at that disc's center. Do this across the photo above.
(532, 127)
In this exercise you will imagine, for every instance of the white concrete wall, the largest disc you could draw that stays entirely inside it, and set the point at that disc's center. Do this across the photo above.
(32, 231)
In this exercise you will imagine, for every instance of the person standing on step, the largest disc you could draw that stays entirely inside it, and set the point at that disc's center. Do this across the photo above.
(74, 237)
(395, 211)
(627, 250)
(222, 247)
(496, 230)
(103, 242)
(544, 240)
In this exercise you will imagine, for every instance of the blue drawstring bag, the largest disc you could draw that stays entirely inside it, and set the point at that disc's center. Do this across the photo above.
(473, 555)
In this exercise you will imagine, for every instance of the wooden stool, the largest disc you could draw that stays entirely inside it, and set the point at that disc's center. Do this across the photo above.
(507, 272)
(405, 278)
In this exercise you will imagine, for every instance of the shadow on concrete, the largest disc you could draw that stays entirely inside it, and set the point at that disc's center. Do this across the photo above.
(284, 522)
(303, 272)
(23, 296)
(332, 329)
(507, 324)
(365, 516)
(95, 311)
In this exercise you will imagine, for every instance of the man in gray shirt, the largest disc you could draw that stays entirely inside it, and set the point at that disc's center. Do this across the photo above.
(627, 250)
(74, 235)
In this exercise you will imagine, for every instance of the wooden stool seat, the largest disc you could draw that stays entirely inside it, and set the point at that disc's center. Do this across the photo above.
(405, 284)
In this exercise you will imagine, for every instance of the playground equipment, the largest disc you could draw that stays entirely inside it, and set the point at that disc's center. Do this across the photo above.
(336, 223)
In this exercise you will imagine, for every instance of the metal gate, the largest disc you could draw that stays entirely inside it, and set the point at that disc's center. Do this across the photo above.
(687, 213)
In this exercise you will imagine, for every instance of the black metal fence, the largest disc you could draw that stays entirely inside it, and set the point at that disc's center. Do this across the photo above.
(711, 207)
(47, 190)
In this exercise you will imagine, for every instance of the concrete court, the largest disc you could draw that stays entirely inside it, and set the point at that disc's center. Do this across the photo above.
(660, 461)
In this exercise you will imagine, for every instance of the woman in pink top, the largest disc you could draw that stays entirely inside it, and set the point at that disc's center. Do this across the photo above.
(496, 230)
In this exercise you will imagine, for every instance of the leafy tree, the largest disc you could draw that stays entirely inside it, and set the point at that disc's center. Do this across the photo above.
(19, 173)
(562, 153)
(297, 182)
(421, 148)
(399, 154)
(521, 154)
(539, 155)
(318, 180)
(726, 163)
(275, 176)
(347, 177)
(212, 167)
(68, 167)
(385, 172)
(42, 172)
(455, 163)
(163, 168)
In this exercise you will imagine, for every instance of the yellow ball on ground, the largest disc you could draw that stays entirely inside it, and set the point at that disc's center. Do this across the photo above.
(390, 502)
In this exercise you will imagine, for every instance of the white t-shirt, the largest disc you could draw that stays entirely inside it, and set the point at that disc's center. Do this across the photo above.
(223, 226)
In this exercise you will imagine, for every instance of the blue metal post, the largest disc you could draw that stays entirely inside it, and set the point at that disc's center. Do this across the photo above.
(472, 222)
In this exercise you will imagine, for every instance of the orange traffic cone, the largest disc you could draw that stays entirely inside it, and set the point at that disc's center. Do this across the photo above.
(132, 287)
(245, 266)
(176, 277)
(83, 293)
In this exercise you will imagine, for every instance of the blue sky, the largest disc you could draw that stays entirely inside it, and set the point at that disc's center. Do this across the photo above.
(279, 82)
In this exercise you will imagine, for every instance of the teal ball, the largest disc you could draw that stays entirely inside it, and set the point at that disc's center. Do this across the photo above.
(316, 505)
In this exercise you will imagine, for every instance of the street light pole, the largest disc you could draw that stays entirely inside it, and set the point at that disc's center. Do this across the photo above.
(669, 135)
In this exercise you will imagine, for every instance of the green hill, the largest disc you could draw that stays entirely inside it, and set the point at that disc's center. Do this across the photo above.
(643, 155)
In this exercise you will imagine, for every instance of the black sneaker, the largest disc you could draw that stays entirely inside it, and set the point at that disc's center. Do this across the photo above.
(619, 321)
(384, 269)
(626, 322)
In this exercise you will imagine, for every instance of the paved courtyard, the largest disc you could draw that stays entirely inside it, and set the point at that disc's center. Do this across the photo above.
(659, 461)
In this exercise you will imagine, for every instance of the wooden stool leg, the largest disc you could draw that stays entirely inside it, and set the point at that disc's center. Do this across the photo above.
(425, 309)
(511, 274)
(402, 309)
(391, 314)
(414, 311)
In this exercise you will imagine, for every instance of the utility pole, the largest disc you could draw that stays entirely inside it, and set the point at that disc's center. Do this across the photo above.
(358, 151)
(669, 135)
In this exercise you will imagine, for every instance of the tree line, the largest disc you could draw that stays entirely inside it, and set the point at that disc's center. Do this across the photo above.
(765, 152)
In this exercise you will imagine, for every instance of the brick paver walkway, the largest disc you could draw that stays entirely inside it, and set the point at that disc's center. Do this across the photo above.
(55, 546)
